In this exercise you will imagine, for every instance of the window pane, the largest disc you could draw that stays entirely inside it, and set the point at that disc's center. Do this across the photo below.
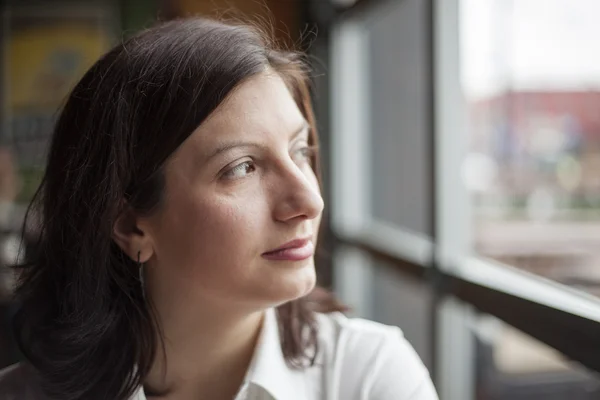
(400, 153)
(531, 76)
(377, 290)
(406, 302)
(510, 365)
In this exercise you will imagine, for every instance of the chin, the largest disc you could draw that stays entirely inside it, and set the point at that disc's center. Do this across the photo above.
(294, 286)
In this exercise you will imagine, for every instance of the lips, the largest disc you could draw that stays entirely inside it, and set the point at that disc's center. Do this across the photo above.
(295, 250)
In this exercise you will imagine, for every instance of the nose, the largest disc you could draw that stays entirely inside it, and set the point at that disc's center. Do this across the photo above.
(298, 195)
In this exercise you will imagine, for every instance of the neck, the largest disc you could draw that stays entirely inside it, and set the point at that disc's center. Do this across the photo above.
(206, 354)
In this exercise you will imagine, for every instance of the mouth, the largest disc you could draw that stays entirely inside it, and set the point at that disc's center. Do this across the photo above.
(295, 250)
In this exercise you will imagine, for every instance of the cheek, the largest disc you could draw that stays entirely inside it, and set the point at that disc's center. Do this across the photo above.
(211, 233)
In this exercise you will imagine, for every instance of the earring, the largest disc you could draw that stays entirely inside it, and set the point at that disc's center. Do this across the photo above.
(141, 275)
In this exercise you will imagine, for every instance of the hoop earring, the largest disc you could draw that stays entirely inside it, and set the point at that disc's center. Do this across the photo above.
(141, 275)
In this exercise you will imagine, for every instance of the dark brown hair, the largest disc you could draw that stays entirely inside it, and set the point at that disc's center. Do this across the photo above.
(83, 323)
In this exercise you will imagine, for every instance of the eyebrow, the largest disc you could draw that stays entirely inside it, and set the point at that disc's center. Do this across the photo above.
(234, 144)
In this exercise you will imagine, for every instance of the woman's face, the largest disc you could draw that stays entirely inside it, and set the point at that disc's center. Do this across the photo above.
(238, 188)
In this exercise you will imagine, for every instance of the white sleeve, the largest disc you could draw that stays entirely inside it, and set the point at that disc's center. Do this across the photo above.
(398, 373)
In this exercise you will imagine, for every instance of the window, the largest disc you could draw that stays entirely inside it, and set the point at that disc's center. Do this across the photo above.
(381, 129)
(512, 365)
(531, 77)
(464, 163)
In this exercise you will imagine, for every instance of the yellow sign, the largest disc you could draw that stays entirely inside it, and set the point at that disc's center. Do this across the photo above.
(44, 62)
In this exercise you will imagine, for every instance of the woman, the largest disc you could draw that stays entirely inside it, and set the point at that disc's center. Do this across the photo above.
(180, 210)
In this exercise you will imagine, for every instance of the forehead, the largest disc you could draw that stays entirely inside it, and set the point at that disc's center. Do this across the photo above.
(260, 106)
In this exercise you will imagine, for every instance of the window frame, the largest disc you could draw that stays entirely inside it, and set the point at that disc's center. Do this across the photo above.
(562, 318)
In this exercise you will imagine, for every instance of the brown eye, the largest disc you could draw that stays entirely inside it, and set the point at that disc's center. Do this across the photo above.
(240, 170)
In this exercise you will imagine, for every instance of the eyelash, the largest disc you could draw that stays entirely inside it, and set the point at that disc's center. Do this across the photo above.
(306, 153)
(230, 173)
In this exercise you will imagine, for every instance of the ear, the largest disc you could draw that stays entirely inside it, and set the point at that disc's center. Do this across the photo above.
(131, 237)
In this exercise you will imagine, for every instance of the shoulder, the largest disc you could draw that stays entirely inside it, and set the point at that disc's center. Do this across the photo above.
(375, 358)
(19, 382)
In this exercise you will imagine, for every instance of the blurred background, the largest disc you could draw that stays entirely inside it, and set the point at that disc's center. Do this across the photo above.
(461, 141)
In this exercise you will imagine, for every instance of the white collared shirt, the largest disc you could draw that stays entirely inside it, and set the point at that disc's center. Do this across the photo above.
(358, 360)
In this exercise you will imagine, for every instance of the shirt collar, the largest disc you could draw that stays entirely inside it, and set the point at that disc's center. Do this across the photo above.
(268, 370)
